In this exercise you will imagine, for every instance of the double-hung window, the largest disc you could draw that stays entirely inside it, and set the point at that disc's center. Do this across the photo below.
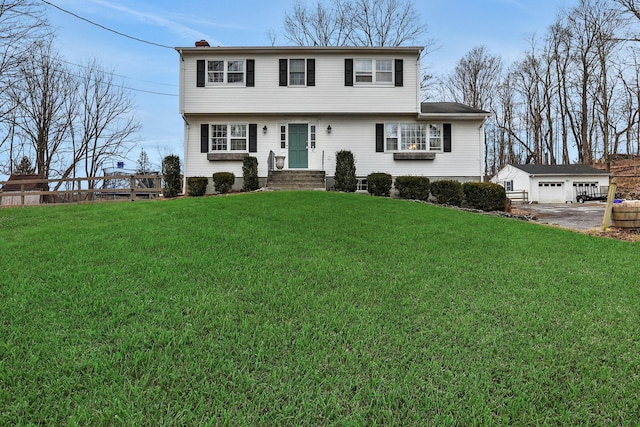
(225, 72)
(413, 137)
(228, 137)
(373, 71)
(297, 72)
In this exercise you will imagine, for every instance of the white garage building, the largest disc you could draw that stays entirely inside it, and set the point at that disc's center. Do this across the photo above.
(552, 183)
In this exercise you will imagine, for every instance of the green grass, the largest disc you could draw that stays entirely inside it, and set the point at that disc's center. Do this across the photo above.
(311, 308)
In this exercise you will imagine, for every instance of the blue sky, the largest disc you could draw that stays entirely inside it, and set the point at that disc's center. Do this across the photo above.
(503, 26)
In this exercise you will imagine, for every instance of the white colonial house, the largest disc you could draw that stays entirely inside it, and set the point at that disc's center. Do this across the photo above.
(301, 105)
(553, 183)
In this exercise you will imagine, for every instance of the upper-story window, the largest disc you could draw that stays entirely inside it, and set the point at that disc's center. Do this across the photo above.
(367, 72)
(220, 72)
(225, 72)
(297, 72)
(376, 71)
(413, 137)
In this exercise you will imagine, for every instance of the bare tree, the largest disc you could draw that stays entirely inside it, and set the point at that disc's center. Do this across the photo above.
(21, 23)
(475, 79)
(355, 22)
(43, 96)
(319, 24)
(106, 126)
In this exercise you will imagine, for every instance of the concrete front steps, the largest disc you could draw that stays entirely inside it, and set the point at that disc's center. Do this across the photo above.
(296, 180)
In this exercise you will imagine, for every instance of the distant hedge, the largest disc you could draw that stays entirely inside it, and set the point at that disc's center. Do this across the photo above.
(379, 184)
(171, 176)
(447, 192)
(223, 181)
(197, 185)
(485, 196)
(413, 187)
(250, 181)
(345, 172)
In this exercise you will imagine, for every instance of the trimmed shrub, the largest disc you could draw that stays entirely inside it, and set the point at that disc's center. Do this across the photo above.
(250, 180)
(171, 176)
(447, 192)
(485, 196)
(345, 172)
(223, 181)
(379, 184)
(197, 185)
(413, 187)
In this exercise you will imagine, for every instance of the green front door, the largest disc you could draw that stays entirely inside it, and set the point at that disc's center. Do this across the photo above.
(298, 141)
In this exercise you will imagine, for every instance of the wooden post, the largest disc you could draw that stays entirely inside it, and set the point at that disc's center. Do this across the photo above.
(132, 185)
(607, 211)
(22, 194)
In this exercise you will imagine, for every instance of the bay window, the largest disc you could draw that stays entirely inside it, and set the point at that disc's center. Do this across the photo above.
(413, 137)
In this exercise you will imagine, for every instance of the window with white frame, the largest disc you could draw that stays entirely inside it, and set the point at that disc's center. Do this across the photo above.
(225, 72)
(297, 69)
(229, 137)
(435, 137)
(508, 185)
(364, 71)
(413, 137)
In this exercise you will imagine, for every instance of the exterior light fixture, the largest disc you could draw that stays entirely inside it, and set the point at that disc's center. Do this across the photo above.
(329, 129)
(264, 129)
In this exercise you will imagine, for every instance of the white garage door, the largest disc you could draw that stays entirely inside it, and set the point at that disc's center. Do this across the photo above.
(551, 192)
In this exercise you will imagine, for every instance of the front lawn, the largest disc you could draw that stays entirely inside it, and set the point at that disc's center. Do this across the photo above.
(311, 308)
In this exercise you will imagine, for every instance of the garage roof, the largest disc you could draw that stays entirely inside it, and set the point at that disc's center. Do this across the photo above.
(560, 170)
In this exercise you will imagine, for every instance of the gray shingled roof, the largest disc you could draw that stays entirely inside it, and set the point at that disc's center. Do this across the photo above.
(448, 108)
(560, 170)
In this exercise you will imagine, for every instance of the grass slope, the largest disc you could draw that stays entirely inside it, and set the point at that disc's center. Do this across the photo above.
(315, 308)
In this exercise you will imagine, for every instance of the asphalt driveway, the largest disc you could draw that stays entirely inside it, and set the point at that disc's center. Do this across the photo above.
(570, 215)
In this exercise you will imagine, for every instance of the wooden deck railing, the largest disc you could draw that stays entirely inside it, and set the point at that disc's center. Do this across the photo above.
(78, 190)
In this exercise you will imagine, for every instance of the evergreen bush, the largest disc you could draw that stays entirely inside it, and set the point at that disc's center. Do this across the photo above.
(345, 172)
(379, 184)
(171, 176)
(197, 185)
(485, 196)
(413, 187)
(223, 181)
(250, 180)
(447, 192)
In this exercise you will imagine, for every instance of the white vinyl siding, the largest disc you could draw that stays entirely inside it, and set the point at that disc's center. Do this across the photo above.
(328, 95)
(465, 165)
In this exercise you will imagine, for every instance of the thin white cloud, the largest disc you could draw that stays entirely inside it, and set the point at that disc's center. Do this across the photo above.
(185, 29)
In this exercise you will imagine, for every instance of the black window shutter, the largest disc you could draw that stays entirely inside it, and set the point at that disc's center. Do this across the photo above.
(446, 137)
(311, 72)
(399, 71)
(253, 138)
(348, 72)
(251, 69)
(200, 72)
(204, 138)
(379, 138)
(283, 72)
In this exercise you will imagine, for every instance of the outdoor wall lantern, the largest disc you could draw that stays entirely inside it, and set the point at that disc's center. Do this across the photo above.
(329, 129)
(264, 129)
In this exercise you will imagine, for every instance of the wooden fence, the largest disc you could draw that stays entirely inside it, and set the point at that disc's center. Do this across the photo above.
(520, 196)
(79, 190)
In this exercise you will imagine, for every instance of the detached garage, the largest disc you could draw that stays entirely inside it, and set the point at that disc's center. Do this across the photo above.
(552, 183)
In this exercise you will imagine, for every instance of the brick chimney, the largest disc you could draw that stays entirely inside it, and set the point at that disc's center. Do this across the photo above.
(202, 43)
